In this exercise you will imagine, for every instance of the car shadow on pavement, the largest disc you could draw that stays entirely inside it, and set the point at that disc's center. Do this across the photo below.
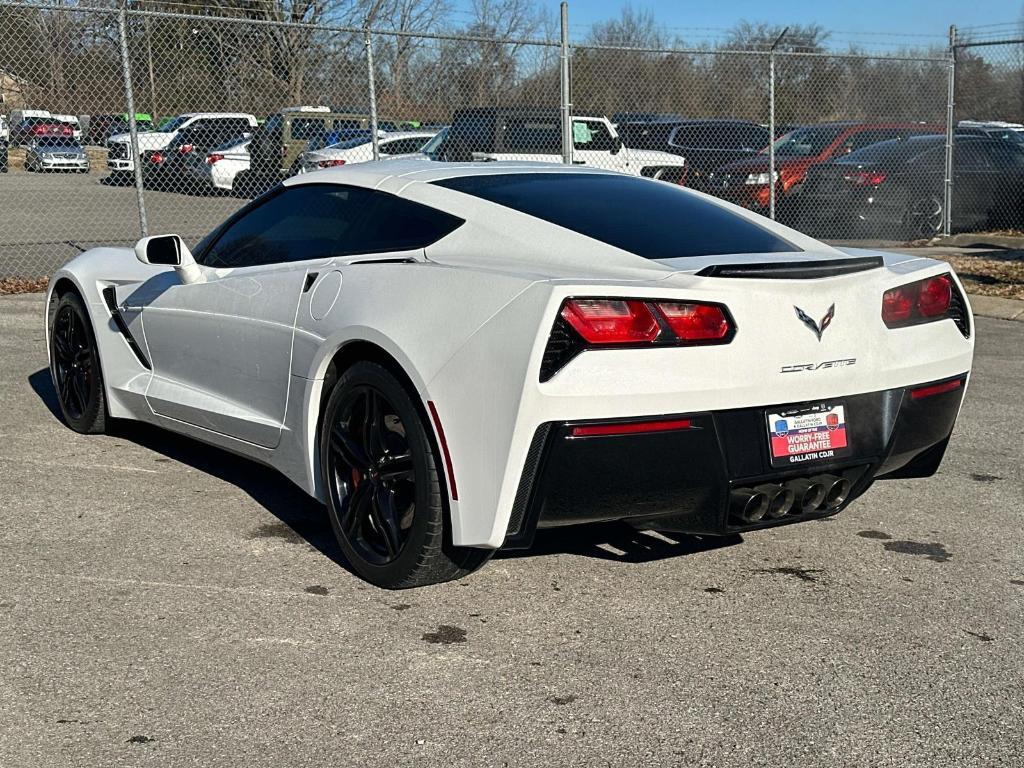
(304, 517)
(619, 542)
(307, 518)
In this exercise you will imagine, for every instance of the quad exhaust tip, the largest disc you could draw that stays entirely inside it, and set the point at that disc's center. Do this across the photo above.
(836, 490)
(800, 496)
(749, 505)
(780, 500)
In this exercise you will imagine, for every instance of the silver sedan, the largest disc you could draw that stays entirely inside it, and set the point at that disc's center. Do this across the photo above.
(56, 154)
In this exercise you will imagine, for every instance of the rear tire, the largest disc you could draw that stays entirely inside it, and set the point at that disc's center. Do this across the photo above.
(923, 218)
(75, 367)
(385, 493)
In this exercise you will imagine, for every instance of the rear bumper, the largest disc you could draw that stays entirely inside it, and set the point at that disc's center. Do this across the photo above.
(681, 479)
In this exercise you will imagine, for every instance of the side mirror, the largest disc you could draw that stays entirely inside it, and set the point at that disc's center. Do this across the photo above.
(616, 145)
(169, 250)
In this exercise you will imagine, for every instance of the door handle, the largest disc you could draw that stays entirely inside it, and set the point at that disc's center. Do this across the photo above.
(310, 279)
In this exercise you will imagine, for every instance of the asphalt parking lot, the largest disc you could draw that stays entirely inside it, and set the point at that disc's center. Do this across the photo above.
(47, 219)
(163, 603)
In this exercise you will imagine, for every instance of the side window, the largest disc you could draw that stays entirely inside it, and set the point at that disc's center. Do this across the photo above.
(970, 156)
(1005, 155)
(864, 139)
(316, 221)
(532, 135)
(402, 146)
(592, 135)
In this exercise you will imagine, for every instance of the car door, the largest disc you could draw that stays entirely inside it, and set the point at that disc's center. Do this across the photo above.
(1006, 188)
(220, 349)
(973, 177)
(593, 144)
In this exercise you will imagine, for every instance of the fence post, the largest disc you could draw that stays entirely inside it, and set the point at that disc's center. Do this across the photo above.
(133, 129)
(947, 191)
(566, 85)
(371, 78)
(771, 123)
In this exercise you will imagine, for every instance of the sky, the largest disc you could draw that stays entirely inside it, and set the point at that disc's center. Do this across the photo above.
(850, 17)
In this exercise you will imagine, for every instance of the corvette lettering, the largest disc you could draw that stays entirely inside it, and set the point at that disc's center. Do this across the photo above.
(843, 363)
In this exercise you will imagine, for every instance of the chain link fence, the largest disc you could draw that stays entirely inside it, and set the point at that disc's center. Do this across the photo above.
(120, 121)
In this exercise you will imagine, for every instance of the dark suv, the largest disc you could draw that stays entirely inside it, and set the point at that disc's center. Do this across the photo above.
(707, 144)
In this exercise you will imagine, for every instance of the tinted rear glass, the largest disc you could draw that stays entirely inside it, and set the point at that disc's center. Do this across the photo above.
(653, 219)
(894, 150)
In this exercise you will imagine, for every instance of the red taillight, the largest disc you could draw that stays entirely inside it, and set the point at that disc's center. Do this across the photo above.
(934, 389)
(898, 304)
(330, 163)
(611, 321)
(631, 428)
(865, 178)
(214, 158)
(694, 322)
(935, 296)
(156, 158)
(67, 130)
(184, 149)
(917, 302)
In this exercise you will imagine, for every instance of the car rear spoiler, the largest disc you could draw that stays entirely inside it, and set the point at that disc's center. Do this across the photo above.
(794, 270)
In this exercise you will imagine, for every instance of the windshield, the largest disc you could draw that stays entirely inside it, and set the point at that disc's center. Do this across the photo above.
(233, 144)
(431, 147)
(806, 142)
(174, 124)
(358, 141)
(57, 142)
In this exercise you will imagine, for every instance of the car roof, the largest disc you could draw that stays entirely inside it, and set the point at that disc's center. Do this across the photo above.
(399, 172)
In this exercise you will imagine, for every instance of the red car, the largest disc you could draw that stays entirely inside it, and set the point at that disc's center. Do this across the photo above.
(745, 182)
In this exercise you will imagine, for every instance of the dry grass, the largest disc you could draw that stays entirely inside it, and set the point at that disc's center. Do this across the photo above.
(23, 285)
(993, 273)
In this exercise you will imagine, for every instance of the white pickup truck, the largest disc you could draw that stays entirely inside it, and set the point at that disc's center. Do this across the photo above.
(518, 133)
(119, 146)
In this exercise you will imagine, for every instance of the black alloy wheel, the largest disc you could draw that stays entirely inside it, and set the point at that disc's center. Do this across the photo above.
(924, 217)
(75, 367)
(385, 494)
(373, 479)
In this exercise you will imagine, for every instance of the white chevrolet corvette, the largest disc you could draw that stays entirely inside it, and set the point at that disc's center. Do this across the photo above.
(452, 356)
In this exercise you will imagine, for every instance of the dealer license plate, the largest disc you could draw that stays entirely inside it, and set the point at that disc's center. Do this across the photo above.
(807, 434)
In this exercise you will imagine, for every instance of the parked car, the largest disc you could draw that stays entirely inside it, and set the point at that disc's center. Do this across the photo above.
(745, 182)
(360, 150)
(119, 155)
(995, 129)
(535, 133)
(278, 143)
(452, 357)
(707, 145)
(32, 128)
(102, 127)
(897, 186)
(56, 153)
(216, 170)
(167, 168)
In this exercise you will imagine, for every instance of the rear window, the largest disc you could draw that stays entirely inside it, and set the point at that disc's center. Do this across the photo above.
(894, 150)
(655, 220)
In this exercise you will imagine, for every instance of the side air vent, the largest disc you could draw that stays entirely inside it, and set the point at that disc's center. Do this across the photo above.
(957, 312)
(794, 270)
(110, 298)
(563, 345)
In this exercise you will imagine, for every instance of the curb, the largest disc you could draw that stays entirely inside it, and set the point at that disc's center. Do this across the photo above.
(997, 307)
